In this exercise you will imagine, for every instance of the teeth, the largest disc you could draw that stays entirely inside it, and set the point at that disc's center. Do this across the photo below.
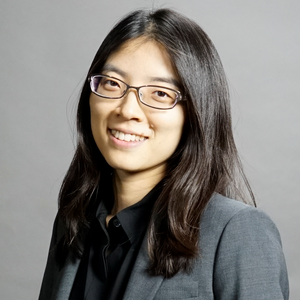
(121, 136)
(126, 136)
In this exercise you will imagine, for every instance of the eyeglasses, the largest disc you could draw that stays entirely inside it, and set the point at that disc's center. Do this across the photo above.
(154, 96)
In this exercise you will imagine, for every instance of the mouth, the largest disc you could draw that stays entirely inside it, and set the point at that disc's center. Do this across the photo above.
(127, 137)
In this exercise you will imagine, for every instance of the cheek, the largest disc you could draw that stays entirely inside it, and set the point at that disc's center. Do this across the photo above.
(99, 110)
(95, 120)
(170, 129)
(177, 120)
(97, 115)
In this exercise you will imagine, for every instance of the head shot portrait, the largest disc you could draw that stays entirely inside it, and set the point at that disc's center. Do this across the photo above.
(161, 194)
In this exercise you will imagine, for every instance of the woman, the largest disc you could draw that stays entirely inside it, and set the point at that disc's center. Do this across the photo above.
(144, 209)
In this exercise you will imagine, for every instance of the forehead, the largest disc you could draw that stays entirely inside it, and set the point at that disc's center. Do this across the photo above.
(133, 45)
(141, 56)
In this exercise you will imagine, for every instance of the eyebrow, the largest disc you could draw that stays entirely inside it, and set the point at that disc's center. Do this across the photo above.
(166, 80)
(111, 68)
(170, 80)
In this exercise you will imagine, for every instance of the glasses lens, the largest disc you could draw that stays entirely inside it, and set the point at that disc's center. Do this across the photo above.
(159, 97)
(107, 86)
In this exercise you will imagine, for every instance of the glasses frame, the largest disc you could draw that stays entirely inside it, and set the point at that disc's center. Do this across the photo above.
(137, 88)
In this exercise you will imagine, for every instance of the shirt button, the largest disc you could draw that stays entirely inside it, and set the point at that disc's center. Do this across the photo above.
(116, 223)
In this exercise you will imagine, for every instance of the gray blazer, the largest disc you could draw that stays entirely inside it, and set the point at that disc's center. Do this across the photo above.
(241, 258)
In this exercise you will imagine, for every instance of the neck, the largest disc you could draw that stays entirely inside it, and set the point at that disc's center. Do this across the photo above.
(131, 188)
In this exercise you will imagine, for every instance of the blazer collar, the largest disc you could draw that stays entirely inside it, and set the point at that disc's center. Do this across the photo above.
(65, 279)
(141, 285)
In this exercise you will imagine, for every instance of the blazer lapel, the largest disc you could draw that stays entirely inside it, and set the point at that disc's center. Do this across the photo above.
(66, 276)
(141, 285)
(65, 279)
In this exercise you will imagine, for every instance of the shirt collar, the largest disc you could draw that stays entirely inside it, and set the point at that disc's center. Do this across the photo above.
(133, 219)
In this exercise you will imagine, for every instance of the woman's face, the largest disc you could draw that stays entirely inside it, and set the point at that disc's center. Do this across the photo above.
(132, 137)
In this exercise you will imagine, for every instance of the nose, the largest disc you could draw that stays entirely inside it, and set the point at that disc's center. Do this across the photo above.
(130, 106)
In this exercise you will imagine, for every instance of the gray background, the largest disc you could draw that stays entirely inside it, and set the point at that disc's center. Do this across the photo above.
(45, 50)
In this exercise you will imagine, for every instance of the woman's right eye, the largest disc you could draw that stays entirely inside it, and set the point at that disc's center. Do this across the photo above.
(110, 83)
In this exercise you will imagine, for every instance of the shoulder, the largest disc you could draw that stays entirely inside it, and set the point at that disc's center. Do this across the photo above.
(226, 208)
(221, 212)
(238, 224)
(245, 247)
(58, 230)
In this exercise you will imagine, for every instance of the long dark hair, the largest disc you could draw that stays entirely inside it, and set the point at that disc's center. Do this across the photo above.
(205, 162)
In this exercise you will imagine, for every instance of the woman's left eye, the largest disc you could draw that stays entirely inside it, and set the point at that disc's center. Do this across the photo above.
(161, 94)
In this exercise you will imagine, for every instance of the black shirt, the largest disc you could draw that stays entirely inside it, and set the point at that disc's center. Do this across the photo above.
(110, 251)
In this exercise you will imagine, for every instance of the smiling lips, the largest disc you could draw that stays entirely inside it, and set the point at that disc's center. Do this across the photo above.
(126, 136)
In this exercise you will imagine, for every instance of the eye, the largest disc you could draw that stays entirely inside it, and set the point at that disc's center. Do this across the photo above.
(161, 94)
(110, 84)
